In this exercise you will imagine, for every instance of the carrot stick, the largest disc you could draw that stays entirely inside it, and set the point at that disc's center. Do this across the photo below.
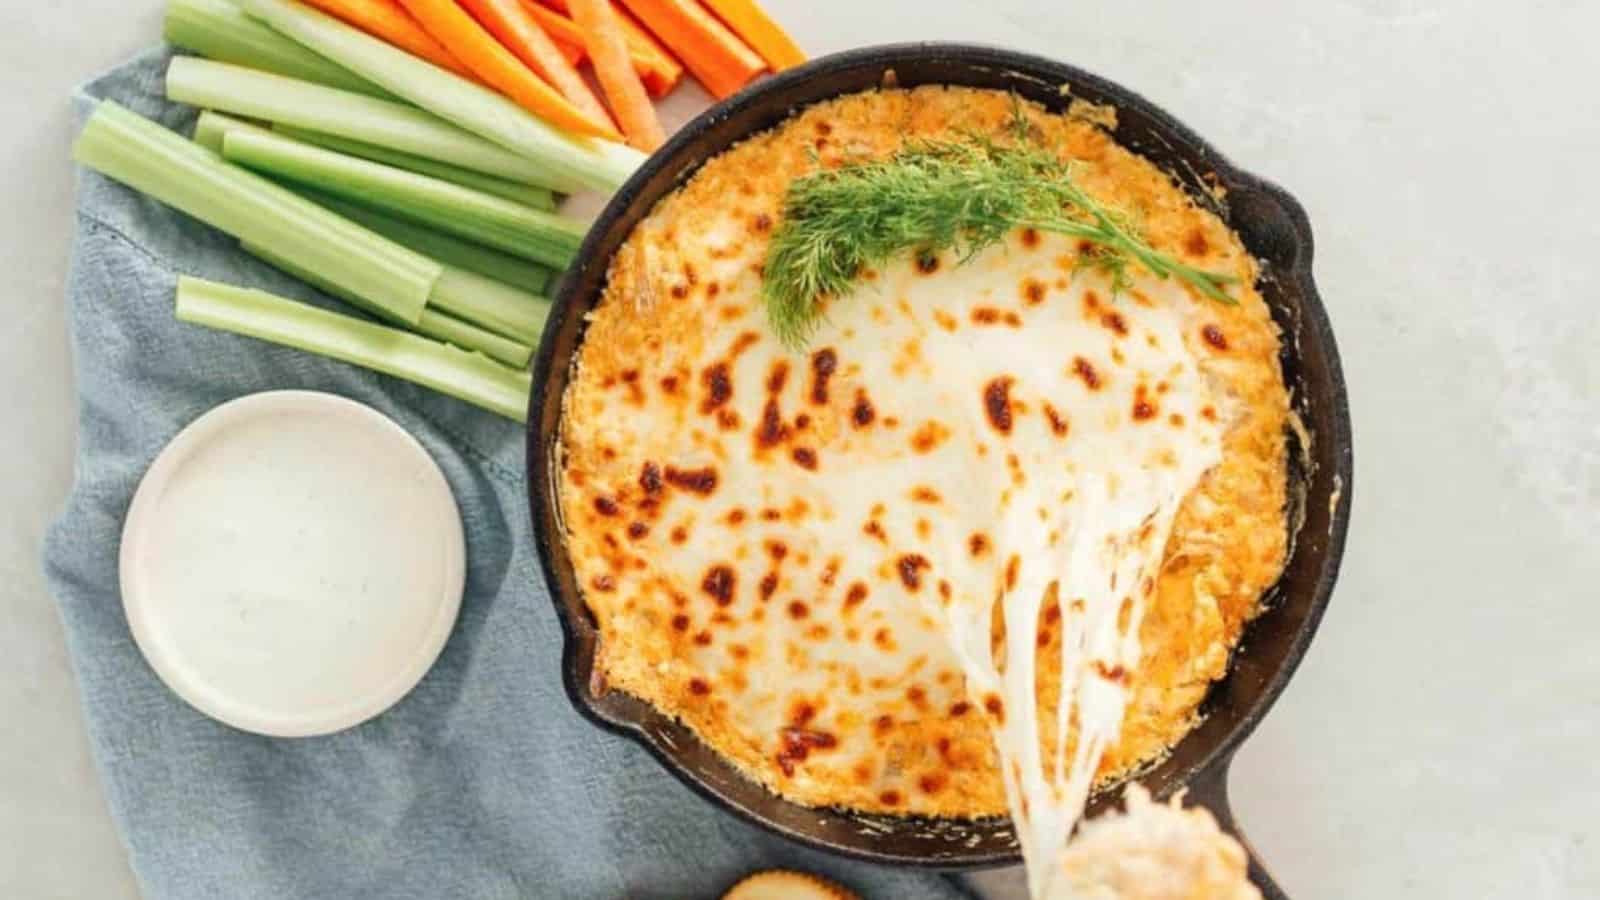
(385, 19)
(612, 66)
(657, 67)
(766, 37)
(519, 33)
(715, 57)
(644, 42)
(477, 49)
(574, 55)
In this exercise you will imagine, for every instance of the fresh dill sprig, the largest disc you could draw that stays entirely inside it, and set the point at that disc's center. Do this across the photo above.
(935, 195)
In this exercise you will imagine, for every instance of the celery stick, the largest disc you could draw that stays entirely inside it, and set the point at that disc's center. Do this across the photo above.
(573, 162)
(525, 194)
(146, 157)
(433, 323)
(286, 101)
(467, 336)
(498, 307)
(449, 250)
(472, 377)
(221, 30)
(529, 233)
(210, 128)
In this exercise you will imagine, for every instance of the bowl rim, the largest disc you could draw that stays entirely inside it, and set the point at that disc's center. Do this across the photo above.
(1313, 320)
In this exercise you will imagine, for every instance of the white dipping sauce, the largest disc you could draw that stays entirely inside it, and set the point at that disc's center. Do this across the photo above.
(292, 563)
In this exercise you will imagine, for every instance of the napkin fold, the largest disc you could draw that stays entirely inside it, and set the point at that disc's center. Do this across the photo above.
(483, 782)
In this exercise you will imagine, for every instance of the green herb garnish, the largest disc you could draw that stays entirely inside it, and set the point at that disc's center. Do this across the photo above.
(962, 195)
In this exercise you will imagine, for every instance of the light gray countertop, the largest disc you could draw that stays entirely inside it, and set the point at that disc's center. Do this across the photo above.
(1439, 740)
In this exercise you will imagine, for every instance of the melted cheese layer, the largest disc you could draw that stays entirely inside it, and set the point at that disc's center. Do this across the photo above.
(775, 545)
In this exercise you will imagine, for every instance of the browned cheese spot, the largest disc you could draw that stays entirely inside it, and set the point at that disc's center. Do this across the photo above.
(777, 377)
(605, 584)
(769, 585)
(1058, 422)
(1030, 238)
(855, 595)
(1033, 291)
(1176, 420)
(862, 413)
(1144, 406)
(680, 622)
(719, 387)
(978, 545)
(1086, 372)
(1012, 566)
(874, 530)
(1114, 674)
(798, 743)
(929, 436)
(679, 291)
(638, 530)
(927, 262)
(606, 506)
(945, 320)
(931, 783)
(805, 458)
(798, 610)
(823, 364)
(743, 342)
(995, 707)
(761, 224)
(1214, 336)
(772, 430)
(698, 481)
(728, 420)
(924, 494)
(703, 639)
(630, 379)
(988, 315)
(830, 571)
(719, 583)
(699, 687)
(736, 516)
(650, 479)
(911, 567)
(669, 384)
(1114, 321)
(1195, 243)
(997, 403)
(884, 639)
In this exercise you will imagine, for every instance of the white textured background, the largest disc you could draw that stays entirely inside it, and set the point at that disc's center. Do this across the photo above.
(1440, 740)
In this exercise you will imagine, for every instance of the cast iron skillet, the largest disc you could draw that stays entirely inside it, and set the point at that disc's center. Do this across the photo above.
(1274, 228)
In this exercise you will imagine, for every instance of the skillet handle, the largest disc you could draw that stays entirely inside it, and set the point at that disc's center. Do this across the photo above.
(1210, 790)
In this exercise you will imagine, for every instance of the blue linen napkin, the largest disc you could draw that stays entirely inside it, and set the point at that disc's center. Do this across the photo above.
(484, 782)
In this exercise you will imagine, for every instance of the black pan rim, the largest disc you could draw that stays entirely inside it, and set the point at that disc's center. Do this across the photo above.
(1315, 326)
